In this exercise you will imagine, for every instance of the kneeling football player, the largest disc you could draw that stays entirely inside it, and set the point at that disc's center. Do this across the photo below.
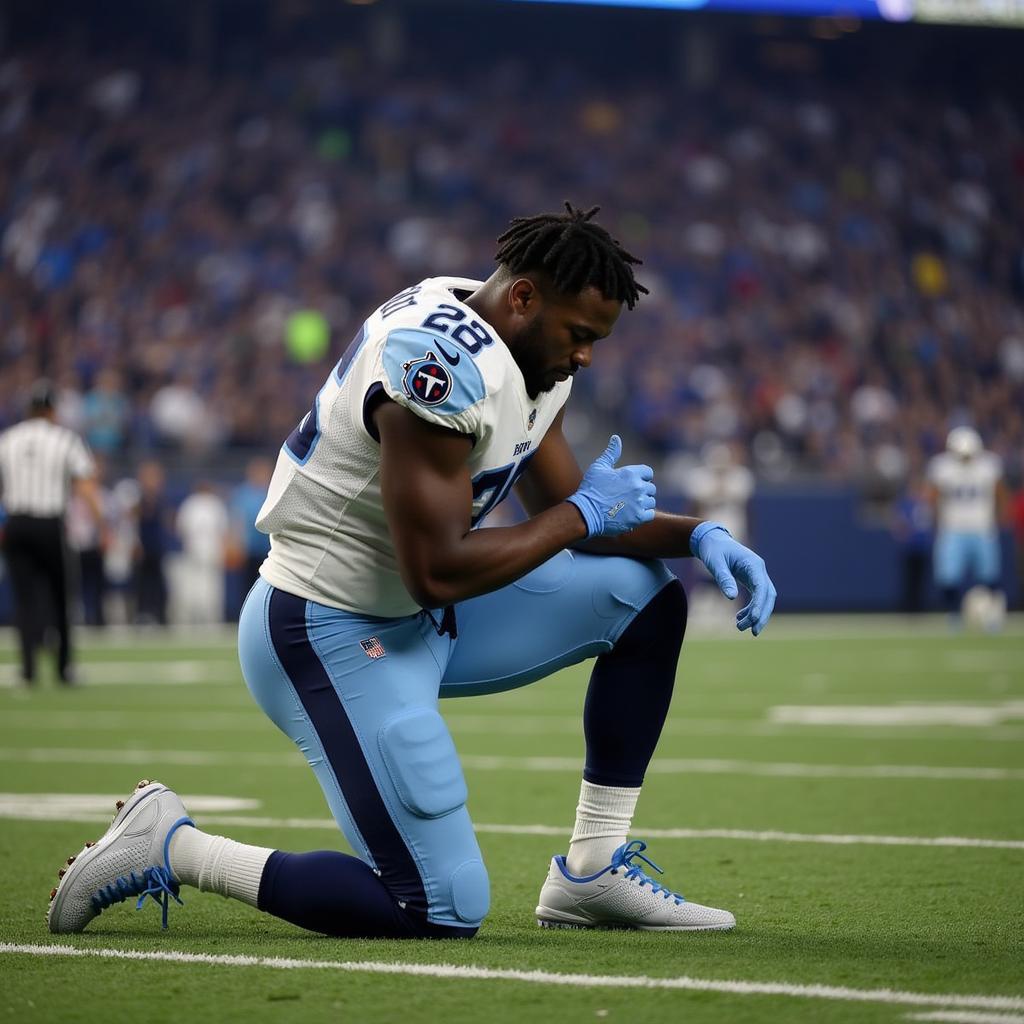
(380, 596)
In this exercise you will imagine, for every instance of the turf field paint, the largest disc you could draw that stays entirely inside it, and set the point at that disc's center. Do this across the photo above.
(249, 719)
(964, 714)
(967, 1017)
(26, 807)
(55, 806)
(449, 971)
(476, 762)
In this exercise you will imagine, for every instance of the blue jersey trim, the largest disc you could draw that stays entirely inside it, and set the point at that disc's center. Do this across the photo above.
(302, 442)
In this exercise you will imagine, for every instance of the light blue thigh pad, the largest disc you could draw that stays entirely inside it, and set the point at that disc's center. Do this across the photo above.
(572, 607)
(421, 760)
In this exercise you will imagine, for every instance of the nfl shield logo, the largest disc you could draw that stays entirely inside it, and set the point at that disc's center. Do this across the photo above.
(533, 419)
(373, 647)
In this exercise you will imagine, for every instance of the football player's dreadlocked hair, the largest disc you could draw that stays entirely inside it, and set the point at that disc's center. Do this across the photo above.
(573, 251)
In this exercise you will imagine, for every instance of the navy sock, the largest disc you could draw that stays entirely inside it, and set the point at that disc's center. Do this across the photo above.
(339, 895)
(630, 691)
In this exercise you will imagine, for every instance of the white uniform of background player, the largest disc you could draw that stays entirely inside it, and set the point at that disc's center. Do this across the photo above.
(197, 577)
(966, 482)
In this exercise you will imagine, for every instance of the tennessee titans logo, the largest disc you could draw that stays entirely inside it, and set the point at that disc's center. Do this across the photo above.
(533, 419)
(426, 380)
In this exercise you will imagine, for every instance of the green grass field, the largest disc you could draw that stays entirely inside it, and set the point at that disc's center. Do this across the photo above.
(829, 871)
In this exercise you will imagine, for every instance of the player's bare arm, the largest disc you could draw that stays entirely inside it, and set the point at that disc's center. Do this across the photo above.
(427, 494)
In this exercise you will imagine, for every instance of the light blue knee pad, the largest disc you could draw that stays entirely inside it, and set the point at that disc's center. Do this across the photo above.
(421, 762)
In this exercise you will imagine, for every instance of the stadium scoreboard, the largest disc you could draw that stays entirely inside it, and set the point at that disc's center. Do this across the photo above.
(954, 12)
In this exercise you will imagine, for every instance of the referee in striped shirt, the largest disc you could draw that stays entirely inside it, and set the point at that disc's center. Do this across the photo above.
(40, 462)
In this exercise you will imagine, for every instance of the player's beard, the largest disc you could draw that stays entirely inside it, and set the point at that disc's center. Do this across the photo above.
(530, 356)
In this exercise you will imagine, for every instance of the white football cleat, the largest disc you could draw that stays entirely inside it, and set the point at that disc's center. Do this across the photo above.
(622, 896)
(128, 860)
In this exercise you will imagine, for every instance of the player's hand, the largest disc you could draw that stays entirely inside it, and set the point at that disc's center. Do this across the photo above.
(614, 501)
(728, 561)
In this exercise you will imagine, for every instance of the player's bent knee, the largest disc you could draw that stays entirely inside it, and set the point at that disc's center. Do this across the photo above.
(661, 621)
(470, 891)
(422, 763)
(672, 598)
(424, 769)
(633, 582)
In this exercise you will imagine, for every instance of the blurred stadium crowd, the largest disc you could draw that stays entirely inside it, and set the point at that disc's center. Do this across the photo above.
(837, 272)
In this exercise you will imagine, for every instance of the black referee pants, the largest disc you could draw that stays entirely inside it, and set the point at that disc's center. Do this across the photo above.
(38, 564)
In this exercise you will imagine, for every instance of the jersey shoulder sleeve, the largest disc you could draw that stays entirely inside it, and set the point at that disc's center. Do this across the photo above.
(993, 466)
(433, 378)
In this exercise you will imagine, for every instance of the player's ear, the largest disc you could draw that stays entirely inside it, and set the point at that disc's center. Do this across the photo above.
(524, 297)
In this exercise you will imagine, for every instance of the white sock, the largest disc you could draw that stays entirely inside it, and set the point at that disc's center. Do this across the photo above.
(603, 817)
(217, 864)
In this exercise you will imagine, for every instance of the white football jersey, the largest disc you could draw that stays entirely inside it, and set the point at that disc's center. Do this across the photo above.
(427, 351)
(967, 491)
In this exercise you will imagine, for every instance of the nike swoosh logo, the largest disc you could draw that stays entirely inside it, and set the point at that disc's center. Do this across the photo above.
(453, 359)
(616, 509)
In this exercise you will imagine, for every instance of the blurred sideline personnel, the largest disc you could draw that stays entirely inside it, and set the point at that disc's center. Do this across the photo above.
(913, 529)
(720, 488)
(153, 525)
(203, 526)
(970, 502)
(249, 542)
(379, 595)
(88, 541)
(40, 462)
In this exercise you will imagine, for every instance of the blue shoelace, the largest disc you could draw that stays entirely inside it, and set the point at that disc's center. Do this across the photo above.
(157, 882)
(624, 858)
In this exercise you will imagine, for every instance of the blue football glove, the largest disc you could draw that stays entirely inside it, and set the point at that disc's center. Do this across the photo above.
(728, 561)
(614, 501)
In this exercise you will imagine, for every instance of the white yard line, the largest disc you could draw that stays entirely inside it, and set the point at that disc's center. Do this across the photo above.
(718, 766)
(190, 758)
(48, 807)
(484, 762)
(470, 973)
(248, 718)
(74, 806)
(142, 673)
(572, 725)
(92, 720)
(922, 713)
(966, 1017)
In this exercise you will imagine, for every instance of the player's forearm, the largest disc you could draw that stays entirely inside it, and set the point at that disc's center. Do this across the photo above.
(89, 492)
(667, 536)
(486, 560)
